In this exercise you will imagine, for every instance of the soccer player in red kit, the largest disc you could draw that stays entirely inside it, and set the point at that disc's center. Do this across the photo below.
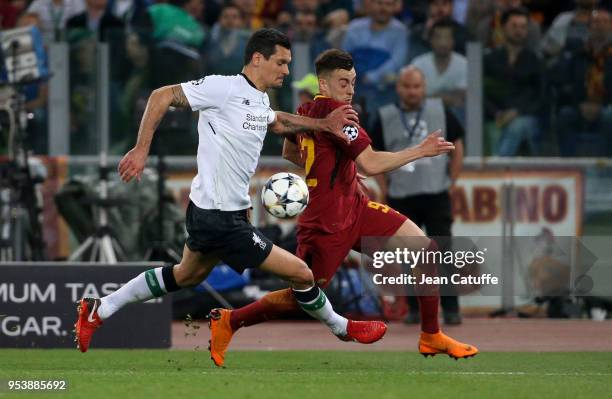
(339, 214)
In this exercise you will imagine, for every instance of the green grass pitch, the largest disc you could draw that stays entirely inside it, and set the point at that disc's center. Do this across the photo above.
(374, 375)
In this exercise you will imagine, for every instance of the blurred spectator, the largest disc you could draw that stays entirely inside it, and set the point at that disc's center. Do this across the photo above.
(178, 43)
(414, 12)
(228, 39)
(545, 11)
(136, 89)
(82, 96)
(36, 98)
(460, 9)
(304, 5)
(445, 71)
(132, 12)
(306, 30)
(583, 77)
(335, 24)
(378, 46)
(177, 23)
(9, 11)
(512, 89)
(487, 27)
(272, 12)
(248, 8)
(307, 87)
(420, 189)
(95, 20)
(420, 33)
(570, 27)
(54, 15)
(327, 6)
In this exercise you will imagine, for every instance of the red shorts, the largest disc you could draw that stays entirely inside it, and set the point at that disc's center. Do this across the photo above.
(324, 252)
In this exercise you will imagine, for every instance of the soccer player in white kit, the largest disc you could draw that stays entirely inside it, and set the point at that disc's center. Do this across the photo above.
(234, 117)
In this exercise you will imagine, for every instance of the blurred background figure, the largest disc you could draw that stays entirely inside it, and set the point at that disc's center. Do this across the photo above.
(570, 26)
(421, 32)
(445, 70)
(484, 23)
(228, 39)
(307, 30)
(97, 20)
(307, 88)
(378, 46)
(512, 90)
(583, 77)
(54, 15)
(420, 190)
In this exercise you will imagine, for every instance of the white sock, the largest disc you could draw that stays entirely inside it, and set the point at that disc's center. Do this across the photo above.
(147, 285)
(321, 309)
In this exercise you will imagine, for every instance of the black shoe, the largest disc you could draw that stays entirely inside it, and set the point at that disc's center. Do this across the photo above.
(412, 318)
(452, 319)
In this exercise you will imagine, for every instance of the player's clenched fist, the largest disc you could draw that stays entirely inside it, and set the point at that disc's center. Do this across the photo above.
(132, 164)
(435, 144)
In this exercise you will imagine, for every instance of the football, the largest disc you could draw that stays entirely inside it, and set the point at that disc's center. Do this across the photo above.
(285, 195)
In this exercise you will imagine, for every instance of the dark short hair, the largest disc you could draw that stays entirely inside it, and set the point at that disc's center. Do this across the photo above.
(444, 23)
(178, 3)
(333, 59)
(229, 5)
(264, 41)
(513, 12)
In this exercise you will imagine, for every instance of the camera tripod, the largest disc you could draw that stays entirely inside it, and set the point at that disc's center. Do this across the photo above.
(101, 246)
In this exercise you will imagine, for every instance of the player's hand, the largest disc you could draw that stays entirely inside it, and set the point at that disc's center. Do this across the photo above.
(132, 164)
(435, 144)
(338, 119)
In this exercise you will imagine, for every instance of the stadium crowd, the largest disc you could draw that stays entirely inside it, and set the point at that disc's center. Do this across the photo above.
(547, 67)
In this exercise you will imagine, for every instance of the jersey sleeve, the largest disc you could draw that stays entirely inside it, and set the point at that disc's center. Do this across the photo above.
(271, 116)
(359, 139)
(208, 92)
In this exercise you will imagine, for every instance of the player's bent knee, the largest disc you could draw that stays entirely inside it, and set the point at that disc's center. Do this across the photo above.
(302, 276)
(189, 277)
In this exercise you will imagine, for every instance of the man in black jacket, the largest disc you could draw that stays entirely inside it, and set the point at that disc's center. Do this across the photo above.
(513, 89)
(583, 77)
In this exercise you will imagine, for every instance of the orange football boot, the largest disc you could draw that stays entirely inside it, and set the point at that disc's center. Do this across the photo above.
(432, 344)
(221, 333)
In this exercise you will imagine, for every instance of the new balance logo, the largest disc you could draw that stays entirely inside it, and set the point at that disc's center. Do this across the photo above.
(246, 102)
(258, 241)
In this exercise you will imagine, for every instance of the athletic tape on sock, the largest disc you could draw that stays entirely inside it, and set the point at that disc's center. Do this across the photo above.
(316, 304)
(168, 279)
(153, 283)
(307, 295)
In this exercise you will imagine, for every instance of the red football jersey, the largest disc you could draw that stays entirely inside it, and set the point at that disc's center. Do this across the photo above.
(331, 173)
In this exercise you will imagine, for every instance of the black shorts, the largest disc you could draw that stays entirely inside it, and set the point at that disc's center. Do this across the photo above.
(228, 235)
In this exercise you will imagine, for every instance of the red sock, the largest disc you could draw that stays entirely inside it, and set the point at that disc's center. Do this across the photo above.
(429, 296)
(273, 305)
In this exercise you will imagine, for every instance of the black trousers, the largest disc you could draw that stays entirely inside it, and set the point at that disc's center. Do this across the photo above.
(432, 212)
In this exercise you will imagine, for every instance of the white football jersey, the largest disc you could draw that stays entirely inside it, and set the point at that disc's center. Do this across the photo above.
(234, 119)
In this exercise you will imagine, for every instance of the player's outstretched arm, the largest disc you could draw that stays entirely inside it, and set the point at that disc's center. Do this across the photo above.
(286, 123)
(160, 100)
(375, 162)
(291, 152)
